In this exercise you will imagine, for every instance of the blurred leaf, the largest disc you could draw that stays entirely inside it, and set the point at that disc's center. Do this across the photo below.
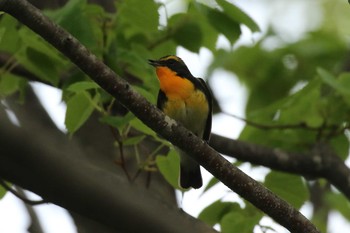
(338, 202)
(9, 83)
(289, 187)
(213, 181)
(344, 82)
(304, 107)
(82, 86)
(3, 191)
(221, 22)
(74, 17)
(213, 213)
(224, 24)
(133, 140)
(340, 145)
(138, 17)
(151, 97)
(169, 167)
(40, 64)
(238, 15)
(40, 58)
(79, 109)
(187, 31)
(209, 33)
(331, 80)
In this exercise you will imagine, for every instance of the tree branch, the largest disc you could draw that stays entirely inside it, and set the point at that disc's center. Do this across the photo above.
(20, 195)
(231, 176)
(321, 162)
(75, 183)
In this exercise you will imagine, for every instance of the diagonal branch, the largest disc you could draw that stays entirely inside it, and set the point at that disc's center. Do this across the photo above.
(231, 176)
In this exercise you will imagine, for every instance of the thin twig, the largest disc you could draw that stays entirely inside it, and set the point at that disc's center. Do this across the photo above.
(119, 140)
(301, 125)
(24, 199)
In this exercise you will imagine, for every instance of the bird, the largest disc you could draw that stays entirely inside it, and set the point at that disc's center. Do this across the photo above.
(188, 100)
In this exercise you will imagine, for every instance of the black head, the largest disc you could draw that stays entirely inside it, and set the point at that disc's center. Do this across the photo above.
(174, 63)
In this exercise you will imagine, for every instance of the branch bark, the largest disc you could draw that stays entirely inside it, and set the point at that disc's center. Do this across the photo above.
(231, 176)
(320, 162)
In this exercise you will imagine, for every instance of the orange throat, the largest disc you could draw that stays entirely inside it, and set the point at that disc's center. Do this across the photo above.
(174, 86)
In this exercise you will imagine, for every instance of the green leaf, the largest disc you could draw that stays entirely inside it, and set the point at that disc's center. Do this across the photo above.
(79, 109)
(344, 82)
(331, 80)
(289, 187)
(187, 31)
(137, 18)
(140, 126)
(340, 84)
(224, 24)
(213, 181)
(82, 86)
(236, 221)
(238, 15)
(3, 191)
(39, 57)
(145, 93)
(211, 34)
(40, 64)
(133, 140)
(74, 17)
(303, 107)
(169, 167)
(338, 202)
(117, 121)
(213, 213)
(9, 84)
(9, 39)
(340, 145)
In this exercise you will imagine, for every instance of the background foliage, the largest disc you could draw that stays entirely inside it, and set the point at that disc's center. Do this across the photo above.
(298, 91)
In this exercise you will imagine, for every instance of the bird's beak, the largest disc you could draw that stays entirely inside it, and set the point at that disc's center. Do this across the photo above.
(154, 63)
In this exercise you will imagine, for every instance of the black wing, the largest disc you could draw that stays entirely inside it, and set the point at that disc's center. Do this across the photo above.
(161, 99)
(208, 94)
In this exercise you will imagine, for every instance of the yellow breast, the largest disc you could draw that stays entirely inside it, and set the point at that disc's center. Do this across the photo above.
(192, 112)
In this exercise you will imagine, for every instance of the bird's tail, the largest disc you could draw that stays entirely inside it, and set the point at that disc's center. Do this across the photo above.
(190, 173)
